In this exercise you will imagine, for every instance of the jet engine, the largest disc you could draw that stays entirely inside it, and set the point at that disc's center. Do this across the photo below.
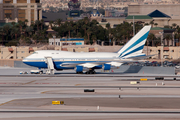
(106, 67)
(79, 69)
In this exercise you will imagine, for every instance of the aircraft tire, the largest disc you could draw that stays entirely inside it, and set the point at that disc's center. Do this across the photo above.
(90, 72)
(79, 72)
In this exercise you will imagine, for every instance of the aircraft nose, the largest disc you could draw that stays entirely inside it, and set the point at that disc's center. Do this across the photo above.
(24, 60)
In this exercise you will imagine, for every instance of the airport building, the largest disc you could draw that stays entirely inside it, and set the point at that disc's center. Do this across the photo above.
(66, 41)
(164, 14)
(161, 14)
(168, 52)
(24, 51)
(16, 52)
(16, 10)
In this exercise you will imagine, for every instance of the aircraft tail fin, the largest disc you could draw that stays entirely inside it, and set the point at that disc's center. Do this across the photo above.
(136, 44)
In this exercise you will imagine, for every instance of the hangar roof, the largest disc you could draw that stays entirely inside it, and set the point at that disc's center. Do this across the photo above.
(138, 17)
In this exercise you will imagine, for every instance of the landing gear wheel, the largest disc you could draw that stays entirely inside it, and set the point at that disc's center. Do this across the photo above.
(90, 72)
(79, 72)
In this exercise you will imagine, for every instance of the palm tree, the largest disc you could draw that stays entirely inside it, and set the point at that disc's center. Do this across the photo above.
(152, 23)
(85, 28)
(178, 30)
(79, 34)
(77, 27)
(12, 32)
(174, 25)
(94, 39)
(178, 36)
(13, 23)
(16, 31)
(37, 23)
(20, 23)
(108, 27)
(35, 38)
(6, 30)
(167, 26)
(29, 30)
(26, 21)
(42, 24)
(69, 28)
(138, 27)
(168, 37)
(50, 23)
(89, 32)
(156, 24)
(146, 24)
(127, 30)
(86, 20)
(58, 22)
(151, 37)
(157, 42)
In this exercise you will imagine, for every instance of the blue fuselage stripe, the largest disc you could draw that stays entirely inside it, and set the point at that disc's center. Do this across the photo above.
(57, 64)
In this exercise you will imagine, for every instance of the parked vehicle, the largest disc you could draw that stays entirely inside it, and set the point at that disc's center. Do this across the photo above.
(177, 66)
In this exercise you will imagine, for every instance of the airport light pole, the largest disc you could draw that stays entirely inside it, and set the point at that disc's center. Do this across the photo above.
(133, 27)
(54, 40)
(162, 34)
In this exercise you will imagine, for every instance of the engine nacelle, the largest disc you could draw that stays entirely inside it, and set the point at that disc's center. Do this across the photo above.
(79, 69)
(106, 67)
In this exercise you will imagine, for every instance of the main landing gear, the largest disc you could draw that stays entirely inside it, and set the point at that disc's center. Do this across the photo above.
(90, 72)
(79, 72)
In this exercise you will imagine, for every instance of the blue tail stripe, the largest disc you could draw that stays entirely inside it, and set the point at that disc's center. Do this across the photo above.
(135, 43)
(135, 50)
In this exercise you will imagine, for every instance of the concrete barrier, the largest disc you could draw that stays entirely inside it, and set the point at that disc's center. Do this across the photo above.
(145, 70)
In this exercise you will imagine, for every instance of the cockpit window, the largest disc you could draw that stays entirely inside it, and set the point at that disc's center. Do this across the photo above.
(35, 53)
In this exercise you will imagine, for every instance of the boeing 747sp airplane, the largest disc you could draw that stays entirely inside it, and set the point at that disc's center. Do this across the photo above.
(89, 61)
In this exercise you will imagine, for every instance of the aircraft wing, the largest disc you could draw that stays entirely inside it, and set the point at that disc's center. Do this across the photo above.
(86, 65)
(115, 63)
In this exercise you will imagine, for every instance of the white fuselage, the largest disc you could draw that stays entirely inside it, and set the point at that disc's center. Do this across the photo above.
(60, 58)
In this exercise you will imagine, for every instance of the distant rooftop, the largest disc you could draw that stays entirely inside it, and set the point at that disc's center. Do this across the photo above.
(3, 23)
(158, 13)
(138, 17)
(47, 17)
(72, 39)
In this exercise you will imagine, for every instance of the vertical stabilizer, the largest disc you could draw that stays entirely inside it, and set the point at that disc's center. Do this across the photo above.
(136, 44)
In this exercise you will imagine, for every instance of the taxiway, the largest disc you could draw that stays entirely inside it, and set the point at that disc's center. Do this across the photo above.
(30, 97)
